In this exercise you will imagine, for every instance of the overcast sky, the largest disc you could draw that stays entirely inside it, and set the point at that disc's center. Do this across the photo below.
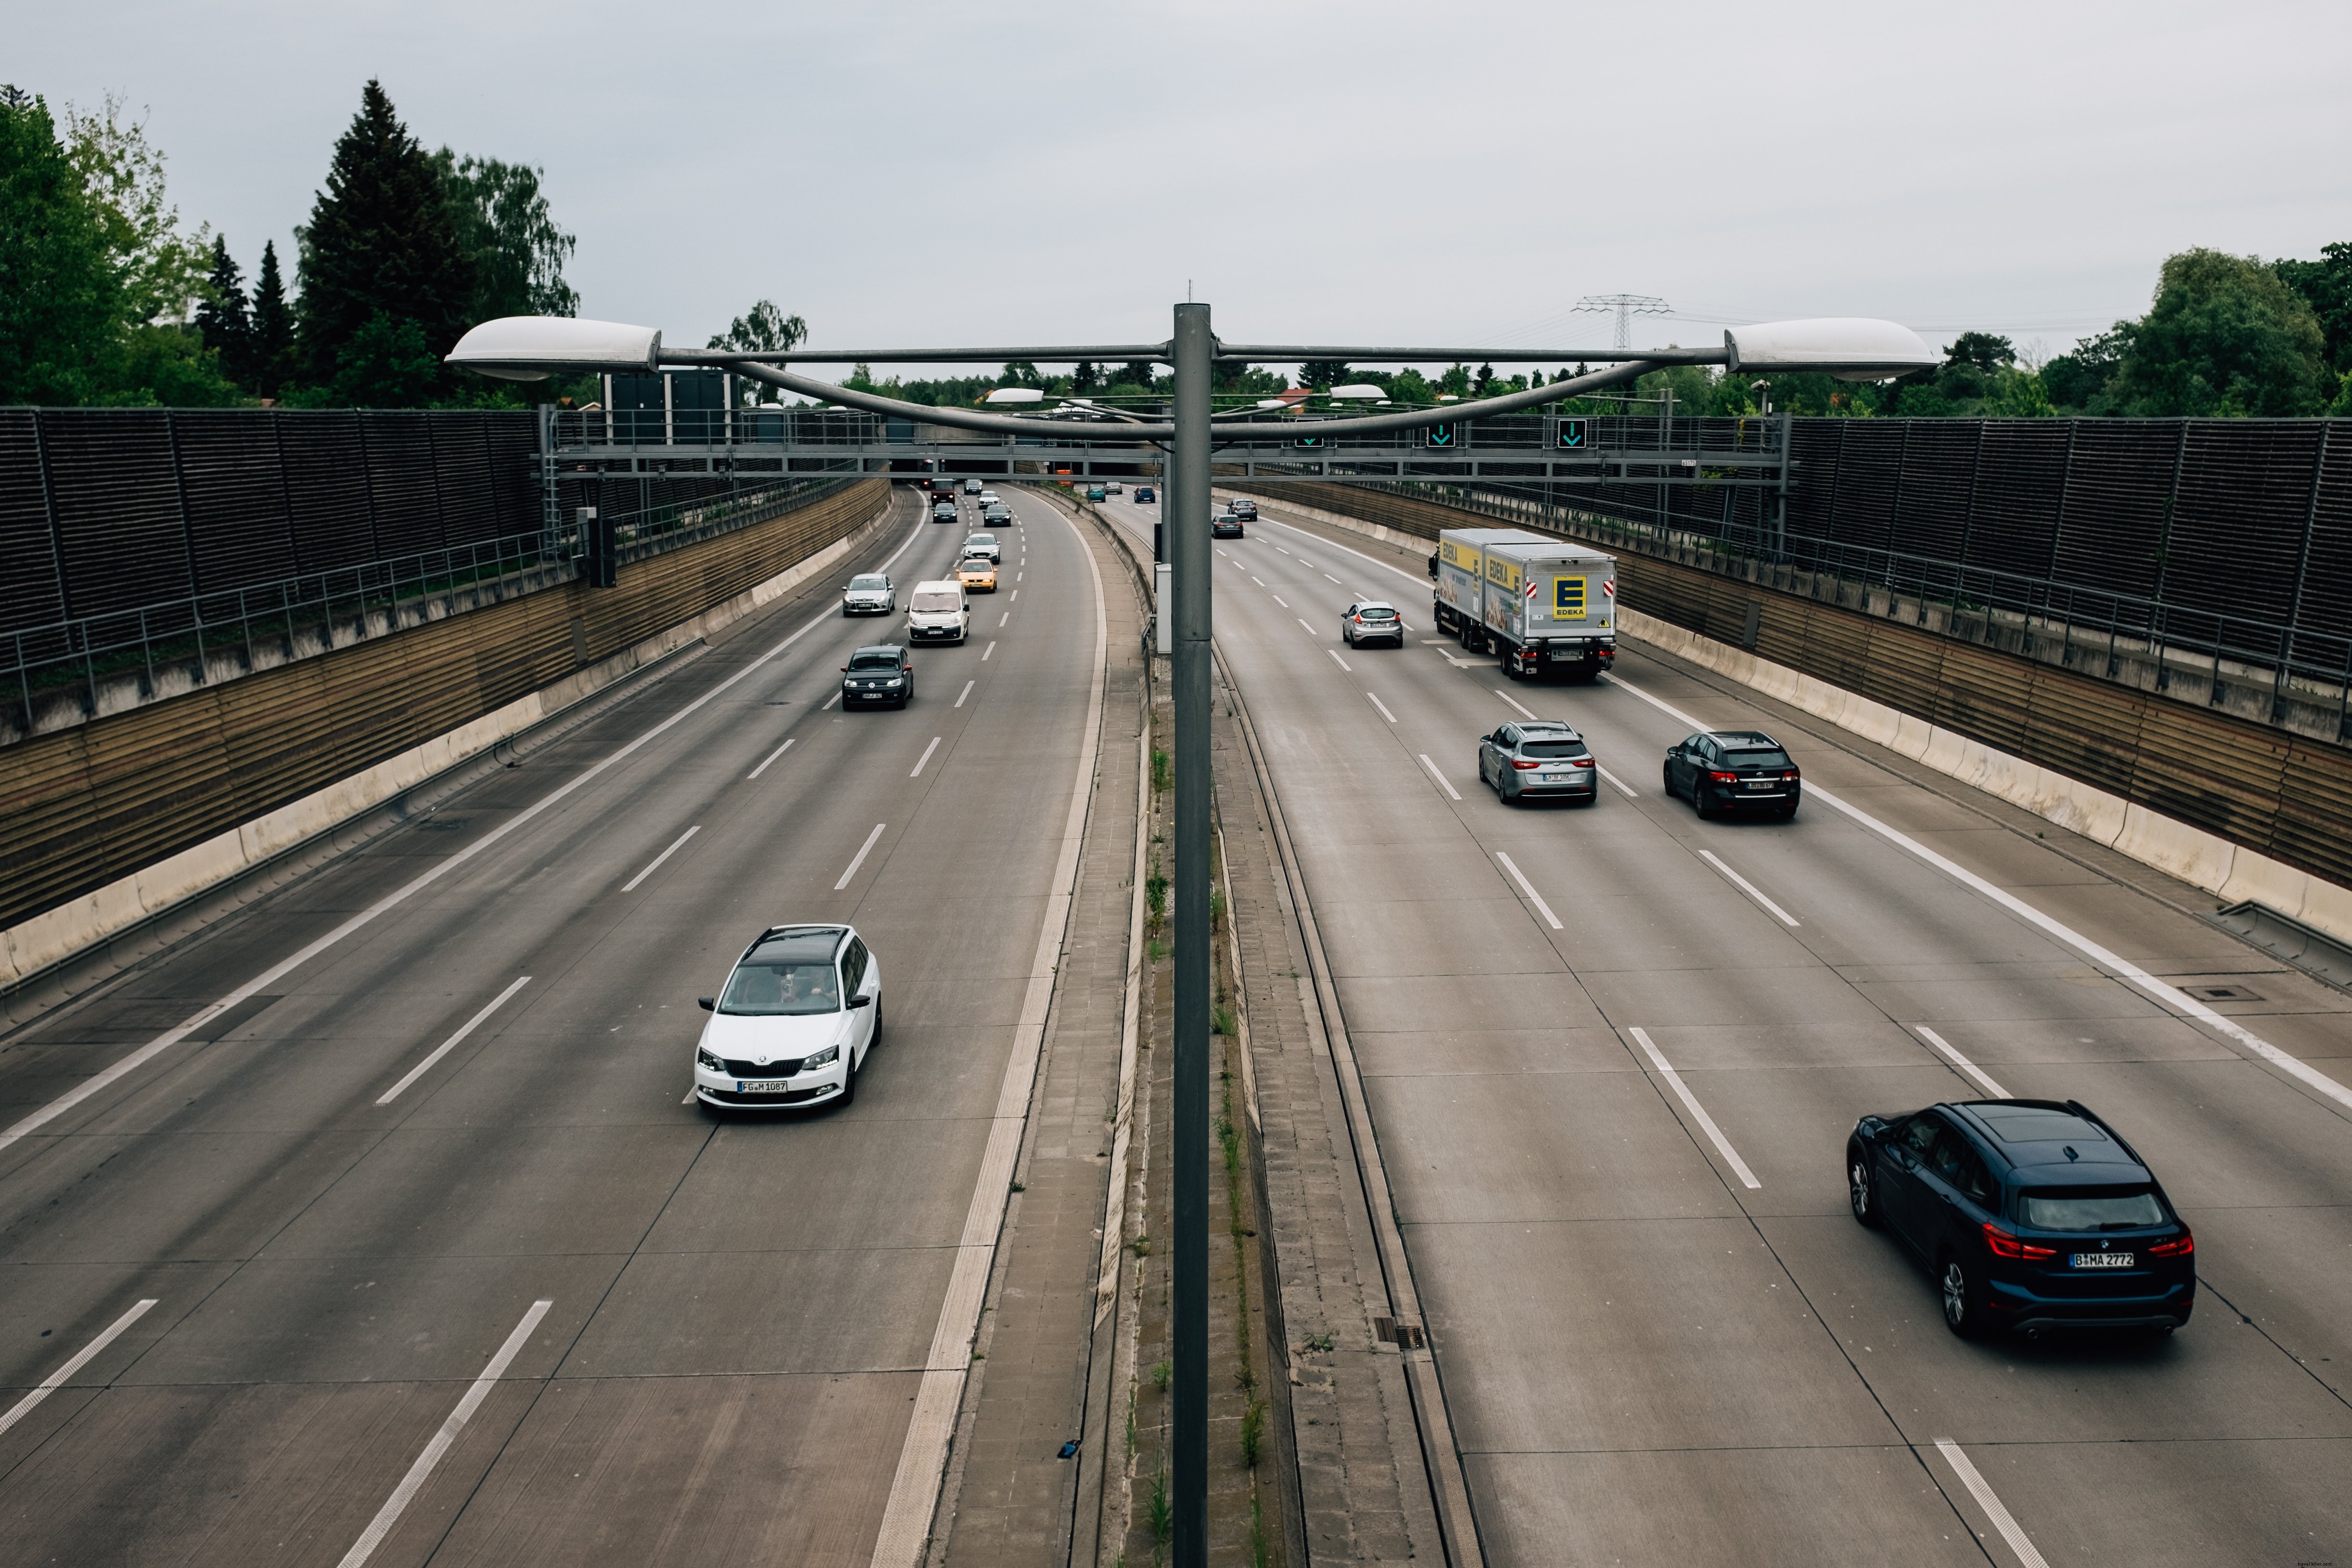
(1430, 173)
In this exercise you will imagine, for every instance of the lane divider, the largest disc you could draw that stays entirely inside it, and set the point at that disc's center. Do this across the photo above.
(1747, 887)
(1529, 890)
(1623, 786)
(965, 692)
(1450, 792)
(859, 858)
(82, 1357)
(1382, 707)
(1987, 1500)
(446, 1046)
(631, 885)
(1514, 702)
(1961, 1062)
(771, 756)
(990, 649)
(1722, 1144)
(934, 746)
(1342, 663)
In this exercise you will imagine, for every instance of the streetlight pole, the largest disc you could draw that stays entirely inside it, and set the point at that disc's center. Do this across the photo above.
(1186, 524)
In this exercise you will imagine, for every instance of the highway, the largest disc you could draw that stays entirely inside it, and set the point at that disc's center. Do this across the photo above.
(1611, 1054)
(416, 1252)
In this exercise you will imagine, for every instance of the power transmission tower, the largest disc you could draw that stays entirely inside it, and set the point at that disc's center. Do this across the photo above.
(1627, 307)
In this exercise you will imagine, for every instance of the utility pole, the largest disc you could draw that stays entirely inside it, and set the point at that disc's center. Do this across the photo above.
(1627, 307)
(1186, 520)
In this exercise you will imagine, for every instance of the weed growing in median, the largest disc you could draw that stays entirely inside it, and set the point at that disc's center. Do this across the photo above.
(1252, 1433)
(1161, 1374)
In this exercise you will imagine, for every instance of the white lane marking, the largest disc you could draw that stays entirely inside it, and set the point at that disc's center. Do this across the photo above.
(1384, 708)
(1259, 581)
(443, 1441)
(771, 756)
(1368, 559)
(991, 648)
(1747, 887)
(1512, 702)
(1722, 1144)
(1613, 778)
(922, 1456)
(932, 747)
(1328, 578)
(1222, 550)
(57, 1379)
(1439, 777)
(1987, 1500)
(1529, 887)
(1277, 598)
(1284, 551)
(1016, 594)
(446, 1046)
(1961, 1062)
(1302, 621)
(631, 885)
(859, 858)
(690, 1095)
(1016, 577)
(2165, 995)
(828, 703)
(1306, 562)
(1000, 622)
(965, 692)
(1342, 663)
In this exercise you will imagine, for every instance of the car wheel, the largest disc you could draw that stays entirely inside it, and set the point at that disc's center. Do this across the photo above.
(849, 1082)
(1787, 813)
(1698, 797)
(1859, 1193)
(1666, 779)
(1963, 1307)
(877, 1026)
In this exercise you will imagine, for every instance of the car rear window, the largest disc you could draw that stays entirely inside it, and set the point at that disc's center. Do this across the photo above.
(2105, 1209)
(935, 601)
(1757, 757)
(1374, 613)
(1553, 749)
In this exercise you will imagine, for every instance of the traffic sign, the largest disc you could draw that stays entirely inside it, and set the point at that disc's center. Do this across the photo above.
(1442, 434)
(1572, 433)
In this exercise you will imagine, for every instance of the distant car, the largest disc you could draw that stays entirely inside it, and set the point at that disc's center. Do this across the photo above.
(936, 611)
(880, 675)
(944, 511)
(984, 544)
(1371, 620)
(2029, 1213)
(1145, 495)
(1538, 758)
(977, 573)
(1225, 525)
(1095, 492)
(868, 594)
(1113, 487)
(990, 498)
(998, 515)
(971, 487)
(801, 1011)
(1734, 771)
(1243, 508)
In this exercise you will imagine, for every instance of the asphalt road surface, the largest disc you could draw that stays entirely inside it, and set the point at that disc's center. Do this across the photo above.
(310, 1288)
(1665, 1344)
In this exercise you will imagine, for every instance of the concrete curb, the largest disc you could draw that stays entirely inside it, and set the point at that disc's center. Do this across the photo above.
(47, 941)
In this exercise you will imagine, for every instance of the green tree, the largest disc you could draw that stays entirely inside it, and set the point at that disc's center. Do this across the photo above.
(2080, 380)
(61, 301)
(2226, 337)
(273, 326)
(381, 242)
(765, 329)
(510, 237)
(1981, 351)
(224, 318)
(1323, 375)
(2326, 286)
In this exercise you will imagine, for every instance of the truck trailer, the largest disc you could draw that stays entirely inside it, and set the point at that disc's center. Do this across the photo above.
(1539, 605)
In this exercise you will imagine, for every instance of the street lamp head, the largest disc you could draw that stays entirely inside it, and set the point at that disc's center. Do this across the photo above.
(1852, 348)
(533, 348)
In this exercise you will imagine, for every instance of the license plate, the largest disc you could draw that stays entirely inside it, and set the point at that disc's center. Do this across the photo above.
(1760, 784)
(1555, 778)
(2103, 1260)
(760, 1086)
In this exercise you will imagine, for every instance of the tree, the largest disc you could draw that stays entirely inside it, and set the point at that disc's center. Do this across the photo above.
(2326, 286)
(225, 318)
(381, 242)
(1322, 375)
(61, 302)
(2080, 380)
(766, 330)
(1982, 350)
(272, 343)
(2227, 337)
(509, 236)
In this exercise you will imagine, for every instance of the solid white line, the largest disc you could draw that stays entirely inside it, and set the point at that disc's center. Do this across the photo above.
(965, 692)
(1512, 702)
(1438, 776)
(1342, 663)
(859, 858)
(828, 703)
(2170, 996)
(97, 1082)
(1277, 599)
(991, 648)
(443, 1441)
(1002, 619)
(1747, 887)
(779, 751)
(1723, 1145)
(1962, 1062)
(1614, 779)
(1384, 708)
(55, 1380)
(1302, 622)
(930, 749)
(2001, 1519)
(468, 1027)
(631, 885)
(1529, 887)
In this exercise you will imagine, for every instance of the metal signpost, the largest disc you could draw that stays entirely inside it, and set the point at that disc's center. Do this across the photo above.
(531, 348)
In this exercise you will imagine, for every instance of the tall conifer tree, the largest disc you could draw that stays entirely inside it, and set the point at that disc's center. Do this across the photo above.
(273, 326)
(223, 317)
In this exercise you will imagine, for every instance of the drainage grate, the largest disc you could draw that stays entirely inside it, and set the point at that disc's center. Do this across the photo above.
(2282, 936)
(2223, 992)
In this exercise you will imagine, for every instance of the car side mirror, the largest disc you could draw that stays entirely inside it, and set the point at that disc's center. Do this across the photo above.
(861, 1001)
(844, 669)
(707, 1003)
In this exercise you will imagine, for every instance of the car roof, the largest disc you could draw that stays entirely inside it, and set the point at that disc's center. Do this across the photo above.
(878, 648)
(839, 935)
(1742, 737)
(2046, 1140)
(1533, 727)
(1374, 604)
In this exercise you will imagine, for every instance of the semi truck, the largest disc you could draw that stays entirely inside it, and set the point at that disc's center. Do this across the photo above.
(1539, 604)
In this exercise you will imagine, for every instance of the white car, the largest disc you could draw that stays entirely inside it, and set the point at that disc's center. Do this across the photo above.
(984, 544)
(990, 498)
(1114, 487)
(938, 612)
(794, 1022)
(868, 594)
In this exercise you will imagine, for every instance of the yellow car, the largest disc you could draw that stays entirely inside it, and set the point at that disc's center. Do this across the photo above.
(977, 573)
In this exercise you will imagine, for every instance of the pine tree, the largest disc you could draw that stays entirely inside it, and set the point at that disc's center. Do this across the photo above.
(380, 243)
(223, 317)
(272, 341)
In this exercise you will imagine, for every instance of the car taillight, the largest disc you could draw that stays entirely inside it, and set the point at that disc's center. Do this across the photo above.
(1791, 773)
(1723, 778)
(2181, 1246)
(2004, 1245)
(1523, 764)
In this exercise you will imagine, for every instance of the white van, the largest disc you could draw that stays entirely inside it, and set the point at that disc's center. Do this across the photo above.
(938, 611)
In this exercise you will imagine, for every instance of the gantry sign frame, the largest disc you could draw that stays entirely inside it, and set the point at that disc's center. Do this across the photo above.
(531, 348)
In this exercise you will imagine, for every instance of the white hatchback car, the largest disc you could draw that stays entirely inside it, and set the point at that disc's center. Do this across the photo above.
(794, 1022)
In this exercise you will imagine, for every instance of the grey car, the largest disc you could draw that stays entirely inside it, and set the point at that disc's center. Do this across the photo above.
(984, 544)
(1538, 759)
(1371, 620)
(869, 594)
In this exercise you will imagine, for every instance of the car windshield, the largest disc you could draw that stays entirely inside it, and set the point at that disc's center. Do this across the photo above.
(1553, 749)
(776, 990)
(980, 541)
(2105, 1209)
(876, 583)
(872, 661)
(935, 601)
(1375, 612)
(978, 569)
(1758, 757)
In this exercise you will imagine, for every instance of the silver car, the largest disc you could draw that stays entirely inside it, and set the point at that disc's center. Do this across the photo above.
(984, 544)
(1371, 620)
(1536, 759)
(869, 594)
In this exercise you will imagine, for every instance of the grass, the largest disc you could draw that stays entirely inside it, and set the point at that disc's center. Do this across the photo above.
(1161, 1374)
(1252, 1433)
(1155, 895)
(1221, 1020)
(1163, 772)
(1140, 1246)
(1161, 1514)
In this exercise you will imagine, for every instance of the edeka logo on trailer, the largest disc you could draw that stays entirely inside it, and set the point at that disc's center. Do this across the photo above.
(1503, 574)
(1459, 555)
(1568, 598)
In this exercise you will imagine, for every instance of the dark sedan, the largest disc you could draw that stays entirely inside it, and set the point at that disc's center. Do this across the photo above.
(2029, 1214)
(1226, 525)
(1734, 771)
(880, 674)
(1145, 495)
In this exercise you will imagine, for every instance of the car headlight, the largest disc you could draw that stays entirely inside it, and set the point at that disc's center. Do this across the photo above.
(894, 680)
(824, 1058)
(703, 1057)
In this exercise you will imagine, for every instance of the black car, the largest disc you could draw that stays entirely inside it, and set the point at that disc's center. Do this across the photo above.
(1145, 495)
(1226, 525)
(880, 674)
(2030, 1214)
(944, 511)
(1539, 757)
(1734, 771)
